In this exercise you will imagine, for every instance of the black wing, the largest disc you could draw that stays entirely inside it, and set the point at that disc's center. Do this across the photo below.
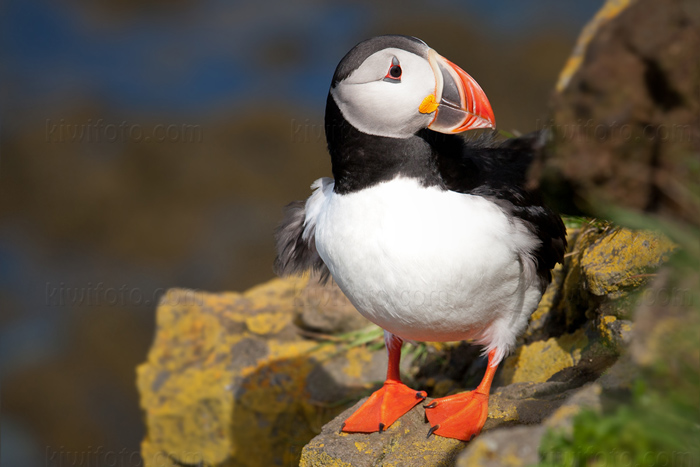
(497, 170)
(295, 254)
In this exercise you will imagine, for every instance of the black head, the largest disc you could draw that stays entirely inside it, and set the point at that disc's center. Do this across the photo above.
(358, 54)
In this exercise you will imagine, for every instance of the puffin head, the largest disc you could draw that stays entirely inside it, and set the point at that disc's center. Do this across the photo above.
(395, 86)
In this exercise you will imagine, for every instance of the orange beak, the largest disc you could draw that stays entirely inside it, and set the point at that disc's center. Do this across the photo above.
(459, 102)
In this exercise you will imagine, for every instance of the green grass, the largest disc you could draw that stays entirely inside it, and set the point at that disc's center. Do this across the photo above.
(371, 335)
(653, 429)
(575, 222)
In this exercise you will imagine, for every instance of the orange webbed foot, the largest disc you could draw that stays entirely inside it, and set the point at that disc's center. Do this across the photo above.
(383, 408)
(461, 416)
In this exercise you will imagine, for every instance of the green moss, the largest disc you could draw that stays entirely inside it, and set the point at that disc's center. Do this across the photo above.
(652, 430)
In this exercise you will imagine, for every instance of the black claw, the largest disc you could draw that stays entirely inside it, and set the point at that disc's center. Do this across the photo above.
(432, 430)
(471, 437)
(341, 428)
(432, 405)
(421, 395)
(381, 427)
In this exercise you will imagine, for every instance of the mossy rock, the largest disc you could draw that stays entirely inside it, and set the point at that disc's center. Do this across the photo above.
(623, 260)
(229, 380)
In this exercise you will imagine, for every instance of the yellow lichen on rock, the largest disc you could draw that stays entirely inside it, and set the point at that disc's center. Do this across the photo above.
(538, 361)
(277, 292)
(357, 359)
(322, 459)
(154, 455)
(614, 333)
(360, 446)
(604, 327)
(622, 260)
(502, 409)
(225, 380)
(183, 384)
(268, 323)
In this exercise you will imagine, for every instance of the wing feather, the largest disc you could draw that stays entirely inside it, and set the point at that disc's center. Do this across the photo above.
(295, 238)
(497, 170)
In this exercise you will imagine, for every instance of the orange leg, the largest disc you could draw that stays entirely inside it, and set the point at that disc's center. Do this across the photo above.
(387, 404)
(462, 416)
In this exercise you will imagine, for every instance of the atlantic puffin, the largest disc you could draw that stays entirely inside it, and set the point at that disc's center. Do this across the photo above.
(430, 235)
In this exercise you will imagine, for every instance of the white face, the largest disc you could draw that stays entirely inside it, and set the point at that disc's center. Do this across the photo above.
(377, 104)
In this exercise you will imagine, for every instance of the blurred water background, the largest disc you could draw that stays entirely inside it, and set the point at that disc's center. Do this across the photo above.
(152, 144)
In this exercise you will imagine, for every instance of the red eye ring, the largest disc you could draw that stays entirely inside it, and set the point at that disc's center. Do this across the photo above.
(394, 72)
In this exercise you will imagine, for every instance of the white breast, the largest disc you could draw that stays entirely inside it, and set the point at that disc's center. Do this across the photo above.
(425, 263)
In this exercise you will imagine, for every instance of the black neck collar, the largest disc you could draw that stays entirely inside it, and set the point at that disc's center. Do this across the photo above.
(360, 160)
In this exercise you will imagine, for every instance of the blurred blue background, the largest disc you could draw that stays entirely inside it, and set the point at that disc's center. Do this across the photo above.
(152, 144)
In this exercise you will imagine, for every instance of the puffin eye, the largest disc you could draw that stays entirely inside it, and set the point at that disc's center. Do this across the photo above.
(394, 73)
